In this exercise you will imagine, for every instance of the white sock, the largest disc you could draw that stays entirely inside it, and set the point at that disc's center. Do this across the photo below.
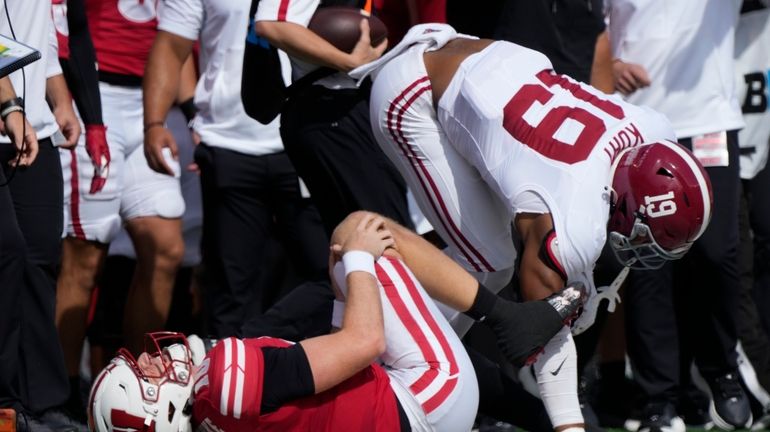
(556, 373)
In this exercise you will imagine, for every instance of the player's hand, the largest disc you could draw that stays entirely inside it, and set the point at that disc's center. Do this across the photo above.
(369, 236)
(629, 77)
(99, 151)
(157, 138)
(363, 52)
(68, 124)
(23, 136)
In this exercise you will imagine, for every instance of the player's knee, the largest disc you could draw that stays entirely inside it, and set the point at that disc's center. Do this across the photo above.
(81, 256)
(170, 252)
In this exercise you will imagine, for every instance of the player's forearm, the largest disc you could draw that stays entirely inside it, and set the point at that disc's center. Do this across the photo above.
(80, 71)
(6, 90)
(161, 79)
(187, 81)
(363, 310)
(303, 44)
(336, 357)
(57, 94)
(601, 69)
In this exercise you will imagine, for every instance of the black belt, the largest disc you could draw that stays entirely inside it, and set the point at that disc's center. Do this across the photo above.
(122, 80)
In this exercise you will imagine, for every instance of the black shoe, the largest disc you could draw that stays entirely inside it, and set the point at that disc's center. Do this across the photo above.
(693, 407)
(661, 417)
(60, 420)
(730, 408)
(523, 329)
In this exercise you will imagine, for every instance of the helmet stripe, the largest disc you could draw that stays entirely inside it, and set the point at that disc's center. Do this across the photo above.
(704, 190)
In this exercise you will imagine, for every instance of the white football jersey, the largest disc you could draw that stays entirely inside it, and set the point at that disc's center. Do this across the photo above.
(529, 132)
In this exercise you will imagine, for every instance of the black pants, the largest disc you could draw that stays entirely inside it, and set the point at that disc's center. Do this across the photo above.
(757, 191)
(687, 309)
(751, 332)
(32, 372)
(246, 200)
(329, 139)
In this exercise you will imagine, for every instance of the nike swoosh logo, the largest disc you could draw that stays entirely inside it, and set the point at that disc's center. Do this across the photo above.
(556, 371)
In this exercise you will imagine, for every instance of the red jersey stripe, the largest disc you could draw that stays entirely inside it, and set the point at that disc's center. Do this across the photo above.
(282, 10)
(424, 176)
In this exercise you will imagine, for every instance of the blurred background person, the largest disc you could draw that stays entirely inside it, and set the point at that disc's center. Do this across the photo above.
(117, 185)
(325, 127)
(678, 59)
(251, 191)
(33, 378)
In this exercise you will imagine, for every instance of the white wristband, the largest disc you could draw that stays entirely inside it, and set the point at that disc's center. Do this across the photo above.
(357, 260)
(337, 313)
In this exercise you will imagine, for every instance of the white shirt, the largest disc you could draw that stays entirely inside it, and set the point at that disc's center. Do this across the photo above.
(221, 27)
(32, 22)
(752, 57)
(686, 46)
(300, 12)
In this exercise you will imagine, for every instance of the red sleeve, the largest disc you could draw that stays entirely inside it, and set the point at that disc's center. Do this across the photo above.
(228, 385)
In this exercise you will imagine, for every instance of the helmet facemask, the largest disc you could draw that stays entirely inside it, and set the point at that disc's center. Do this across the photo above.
(156, 388)
(640, 251)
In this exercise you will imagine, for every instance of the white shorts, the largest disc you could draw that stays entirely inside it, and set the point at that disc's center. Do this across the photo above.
(430, 371)
(192, 219)
(132, 189)
(449, 190)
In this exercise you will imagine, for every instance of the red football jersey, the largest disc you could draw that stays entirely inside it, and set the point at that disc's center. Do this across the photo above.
(228, 395)
(59, 15)
(123, 32)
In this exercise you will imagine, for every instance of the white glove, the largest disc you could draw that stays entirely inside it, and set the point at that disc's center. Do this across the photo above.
(591, 306)
(197, 349)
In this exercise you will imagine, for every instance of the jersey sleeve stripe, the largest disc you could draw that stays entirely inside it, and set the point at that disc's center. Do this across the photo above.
(240, 371)
(225, 394)
(283, 9)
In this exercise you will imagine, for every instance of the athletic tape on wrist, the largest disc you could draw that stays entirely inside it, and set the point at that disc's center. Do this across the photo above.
(358, 261)
(337, 312)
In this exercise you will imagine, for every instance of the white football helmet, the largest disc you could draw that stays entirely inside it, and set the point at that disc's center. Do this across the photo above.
(126, 398)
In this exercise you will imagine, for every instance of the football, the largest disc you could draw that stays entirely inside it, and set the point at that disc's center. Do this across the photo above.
(340, 26)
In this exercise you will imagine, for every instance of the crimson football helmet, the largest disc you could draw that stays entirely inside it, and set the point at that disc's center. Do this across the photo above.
(151, 394)
(662, 202)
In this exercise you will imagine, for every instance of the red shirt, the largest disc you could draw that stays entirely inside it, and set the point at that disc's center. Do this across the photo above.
(122, 32)
(59, 15)
(228, 392)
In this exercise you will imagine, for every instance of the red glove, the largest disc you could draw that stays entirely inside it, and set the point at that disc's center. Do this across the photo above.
(97, 148)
